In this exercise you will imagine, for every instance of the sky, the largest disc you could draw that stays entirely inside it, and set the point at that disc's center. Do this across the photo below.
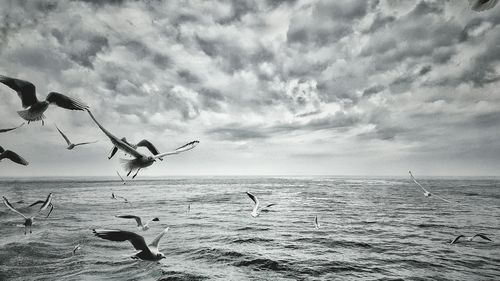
(267, 87)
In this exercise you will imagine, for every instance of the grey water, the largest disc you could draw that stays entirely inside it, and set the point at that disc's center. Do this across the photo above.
(371, 229)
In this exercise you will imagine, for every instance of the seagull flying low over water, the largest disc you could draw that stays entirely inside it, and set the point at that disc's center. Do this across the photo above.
(316, 223)
(124, 182)
(140, 160)
(76, 248)
(10, 129)
(144, 227)
(146, 252)
(470, 238)
(27, 92)
(12, 156)
(28, 221)
(142, 143)
(426, 193)
(70, 144)
(256, 210)
(482, 5)
(114, 197)
(42, 202)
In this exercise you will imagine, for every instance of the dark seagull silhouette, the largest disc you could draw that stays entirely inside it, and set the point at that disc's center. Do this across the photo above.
(12, 156)
(140, 160)
(28, 220)
(27, 92)
(70, 144)
(482, 235)
(146, 252)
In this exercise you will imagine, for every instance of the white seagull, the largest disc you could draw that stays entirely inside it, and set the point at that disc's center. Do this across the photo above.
(10, 129)
(76, 248)
(140, 160)
(124, 182)
(12, 156)
(70, 144)
(482, 5)
(144, 227)
(426, 193)
(28, 221)
(256, 210)
(27, 92)
(142, 143)
(470, 238)
(316, 223)
(146, 252)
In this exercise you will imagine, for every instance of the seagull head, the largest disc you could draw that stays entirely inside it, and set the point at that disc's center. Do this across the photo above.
(161, 256)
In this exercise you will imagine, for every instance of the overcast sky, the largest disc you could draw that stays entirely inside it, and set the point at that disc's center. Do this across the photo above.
(277, 87)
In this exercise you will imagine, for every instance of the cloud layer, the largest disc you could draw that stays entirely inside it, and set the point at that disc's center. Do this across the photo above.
(276, 87)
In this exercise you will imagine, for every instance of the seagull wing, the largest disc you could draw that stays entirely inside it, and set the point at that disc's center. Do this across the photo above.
(47, 203)
(456, 239)
(84, 143)
(64, 136)
(36, 203)
(441, 198)
(10, 129)
(155, 243)
(136, 218)
(316, 221)
(65, 102)
(183, 148)
(14, 157)
(254, 199)
(25, 90)
(116, 141)
(417, 183)
(1, 149)
(149, 146)
(482, 5)
(482, 236)
(6, 202)
(120, 176)
(120, 236)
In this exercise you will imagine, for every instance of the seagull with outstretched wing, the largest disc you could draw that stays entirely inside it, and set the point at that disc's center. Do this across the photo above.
(12, 156)
(42, 202)
(146, 252)
(28, 220)
(27, 93)
(256, 207)
(137, 219)
(70, 144)
(426, 192)
(481, 235)
(143, 143)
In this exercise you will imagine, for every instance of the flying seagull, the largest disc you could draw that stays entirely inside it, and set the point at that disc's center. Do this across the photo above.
(140, 160)
(470, 238)
(10, 129)
(12, 156)
(189, 208)
(146, 252)
(113, 196)
(138, 220)
(28, 221)
(27, 92)
(482, 5)
(316, 223)
(426, 193)
(70, 144)
(256, 210)
(76, 248)
(42, 202)
(142, 143)
(124, 182)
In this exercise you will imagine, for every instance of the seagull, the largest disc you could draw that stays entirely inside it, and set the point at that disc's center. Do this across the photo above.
(189, 208)
(76, 248)
(10, 129)
(28, 221)
(27, 92)
(41, 202)
(124, 182)
(70, 144)
(140, 160)
(113, 196)
(482, 5)
(256, 210)
(144, 227)
(143, 143)
(316, 223)
(146, 252)
(12, 156)
(426, 193)
(470, 238)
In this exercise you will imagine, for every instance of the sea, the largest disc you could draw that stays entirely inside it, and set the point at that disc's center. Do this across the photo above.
(371, 228)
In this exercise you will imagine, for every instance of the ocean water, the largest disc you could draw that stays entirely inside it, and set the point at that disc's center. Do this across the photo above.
(371, 229)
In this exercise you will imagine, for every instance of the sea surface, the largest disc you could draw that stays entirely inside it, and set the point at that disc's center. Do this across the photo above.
(371, 229)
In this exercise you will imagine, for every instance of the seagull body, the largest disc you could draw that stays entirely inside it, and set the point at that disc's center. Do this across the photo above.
(482, 5)
(10, 129)
(28, 221)
(256, 207)
(70, 144)
(316, 223)
(146, 252)
(142, 143)
(140, 160)
(426, 192)
(470, 238)
(140, 225)
(27, 93)
(12, 156)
